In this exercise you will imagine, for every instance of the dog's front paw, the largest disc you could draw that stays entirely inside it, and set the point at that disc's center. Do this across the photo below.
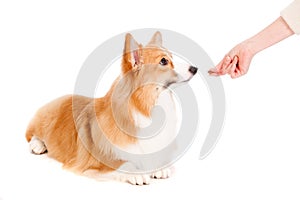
(162, 174)
(137, 179)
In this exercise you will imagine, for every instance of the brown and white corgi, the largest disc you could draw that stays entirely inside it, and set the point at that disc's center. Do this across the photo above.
(89, 134)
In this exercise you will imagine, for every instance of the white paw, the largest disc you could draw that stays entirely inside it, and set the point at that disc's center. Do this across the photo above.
(37, 146)
(161, 174)
(137, 179)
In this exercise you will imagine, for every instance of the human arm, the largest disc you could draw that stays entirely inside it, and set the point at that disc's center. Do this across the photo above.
(237, 61)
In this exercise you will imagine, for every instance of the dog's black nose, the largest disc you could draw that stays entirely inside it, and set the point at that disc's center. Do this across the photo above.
(193, 70)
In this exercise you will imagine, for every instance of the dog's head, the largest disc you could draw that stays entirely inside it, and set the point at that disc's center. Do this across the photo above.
(149, 70)
(153, 63)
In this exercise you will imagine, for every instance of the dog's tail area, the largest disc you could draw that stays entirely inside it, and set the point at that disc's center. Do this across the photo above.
(32, 128)
(29, 133)
(36, 145)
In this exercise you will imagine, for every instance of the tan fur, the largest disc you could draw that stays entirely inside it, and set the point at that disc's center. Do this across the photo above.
(77, 130)
(55, 126)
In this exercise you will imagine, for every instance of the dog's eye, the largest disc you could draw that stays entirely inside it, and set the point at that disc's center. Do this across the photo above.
(163, 61)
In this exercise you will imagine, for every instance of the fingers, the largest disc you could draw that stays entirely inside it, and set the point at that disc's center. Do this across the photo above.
(241, 68)
(213, 72)
(223, 62)
(235, 74)
(224, 65)
(228, 66)
(220, 68)
(233, 66)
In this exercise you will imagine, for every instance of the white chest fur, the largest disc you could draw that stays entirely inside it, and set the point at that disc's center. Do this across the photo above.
(163, 136)
(168, 131)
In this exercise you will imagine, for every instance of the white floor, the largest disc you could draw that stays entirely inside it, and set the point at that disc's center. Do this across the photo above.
(43, 45)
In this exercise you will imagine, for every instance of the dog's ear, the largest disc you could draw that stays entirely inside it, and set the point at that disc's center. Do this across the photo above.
(156, 39)
(131, 55)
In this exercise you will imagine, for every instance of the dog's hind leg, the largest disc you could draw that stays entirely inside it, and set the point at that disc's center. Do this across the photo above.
(37, 146)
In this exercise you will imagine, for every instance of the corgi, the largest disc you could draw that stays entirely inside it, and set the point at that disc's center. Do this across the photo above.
(90, 134)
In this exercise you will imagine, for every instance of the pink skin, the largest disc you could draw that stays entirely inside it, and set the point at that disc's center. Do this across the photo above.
(237, 61)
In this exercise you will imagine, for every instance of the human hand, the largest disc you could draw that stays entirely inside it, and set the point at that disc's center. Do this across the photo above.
(236, 63)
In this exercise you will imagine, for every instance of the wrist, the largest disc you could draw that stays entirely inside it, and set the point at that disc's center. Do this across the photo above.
(250, 47)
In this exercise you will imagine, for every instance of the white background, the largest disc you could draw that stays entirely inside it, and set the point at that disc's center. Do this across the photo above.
(43, 45)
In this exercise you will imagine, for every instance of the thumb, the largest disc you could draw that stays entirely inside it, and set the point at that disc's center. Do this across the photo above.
(213, 72)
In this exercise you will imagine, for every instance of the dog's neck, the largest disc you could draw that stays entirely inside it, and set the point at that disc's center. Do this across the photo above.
(126, 98)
